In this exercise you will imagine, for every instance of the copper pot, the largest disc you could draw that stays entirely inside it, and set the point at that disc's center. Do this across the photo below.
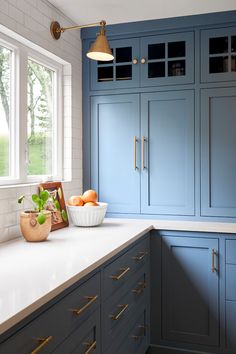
(31, 229)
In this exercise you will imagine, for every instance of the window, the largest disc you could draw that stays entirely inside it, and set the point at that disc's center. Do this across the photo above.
(30, 115)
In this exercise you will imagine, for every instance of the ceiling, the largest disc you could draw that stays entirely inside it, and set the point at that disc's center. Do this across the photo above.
(114, 11)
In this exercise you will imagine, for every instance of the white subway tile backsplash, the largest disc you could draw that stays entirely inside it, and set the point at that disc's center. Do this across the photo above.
(31, 19)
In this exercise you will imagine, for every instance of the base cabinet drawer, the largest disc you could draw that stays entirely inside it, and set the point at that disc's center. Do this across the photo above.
(85, 339)
(231, 325)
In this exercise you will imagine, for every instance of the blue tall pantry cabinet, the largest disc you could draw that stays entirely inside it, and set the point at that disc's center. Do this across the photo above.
(160, 142)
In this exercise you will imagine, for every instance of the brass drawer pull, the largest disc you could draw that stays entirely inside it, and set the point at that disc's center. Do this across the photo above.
(140, 256)
(91, 347)
(91, 299)
(140, 289)
(143, 153)
(124, 308)
(213, 254)
(118, 277)
(142, 333)
(42, 343)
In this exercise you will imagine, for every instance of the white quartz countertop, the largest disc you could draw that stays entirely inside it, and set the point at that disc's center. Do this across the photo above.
(31, 274)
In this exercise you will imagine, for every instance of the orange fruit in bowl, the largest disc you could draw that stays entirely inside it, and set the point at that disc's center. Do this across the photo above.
(89, 204)
(75, 200)
(90, 196)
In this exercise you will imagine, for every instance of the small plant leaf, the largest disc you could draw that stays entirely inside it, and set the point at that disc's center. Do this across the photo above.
(64, 215)
(44, 195)
(20, 199)
(41, 218)
(57, 204)
(59, 192)
(35, 198)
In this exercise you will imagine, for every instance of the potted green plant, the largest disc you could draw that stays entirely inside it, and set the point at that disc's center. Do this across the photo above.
(35, 224)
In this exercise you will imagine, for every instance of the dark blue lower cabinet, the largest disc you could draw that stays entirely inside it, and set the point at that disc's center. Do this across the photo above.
(190, 290)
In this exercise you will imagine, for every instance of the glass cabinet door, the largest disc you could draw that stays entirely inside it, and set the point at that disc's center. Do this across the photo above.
(218, 54)
(121, 72)
(167, 59)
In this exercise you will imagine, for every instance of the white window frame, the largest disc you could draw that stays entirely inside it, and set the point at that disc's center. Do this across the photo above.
(18, 167)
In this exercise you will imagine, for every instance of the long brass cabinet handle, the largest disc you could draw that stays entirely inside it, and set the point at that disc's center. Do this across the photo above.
(123, 309)
(135, 153)
(140, 256)
(91, 347)
(143, 152)
(42, 343)
(213, 254)
(140, 288)
(91, 299)
(123, 272)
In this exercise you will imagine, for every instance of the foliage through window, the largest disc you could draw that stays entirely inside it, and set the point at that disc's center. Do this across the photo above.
(40, 119)
(5, 122)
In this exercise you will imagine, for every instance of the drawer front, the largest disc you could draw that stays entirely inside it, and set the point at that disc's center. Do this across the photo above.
(85, 339)
(138, 338)
(230, 325)
(58, 321)
(231, 251)
(230, 282)
(119, 311)
(120, 271)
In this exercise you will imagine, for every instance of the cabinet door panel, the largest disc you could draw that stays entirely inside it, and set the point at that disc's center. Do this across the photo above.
(190, 290)
(230, 325)
(115, 123)
(218, 146)
(167, 59)
(168, 176)
(119, 73)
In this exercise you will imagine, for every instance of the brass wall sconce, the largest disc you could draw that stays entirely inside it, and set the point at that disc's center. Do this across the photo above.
(99, 50)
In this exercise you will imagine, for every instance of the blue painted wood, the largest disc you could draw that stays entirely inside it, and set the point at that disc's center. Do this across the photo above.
(218, 146)
(115, 123)
(117, 83)
(231, 282)
(167, 182)
(190, 291)
(230, 325)
(231, 251)
(206, 36)
(188, 38)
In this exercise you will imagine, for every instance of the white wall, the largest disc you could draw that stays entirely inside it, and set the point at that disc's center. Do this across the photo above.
(31, 19)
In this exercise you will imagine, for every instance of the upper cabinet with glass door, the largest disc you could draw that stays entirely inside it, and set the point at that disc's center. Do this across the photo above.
(167, 59)
(218, 55)
(121, 72)
(147, 61)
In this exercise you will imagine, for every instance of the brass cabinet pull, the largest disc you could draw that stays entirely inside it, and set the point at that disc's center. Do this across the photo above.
(91, 299)
(143, 61)
(139, 290)
(142, 334)
(118, 277)
(42, 343)
(140, 256)
(213, 254)
(123, 309)
(91, 347)
(135, 61)
(143, 158)
(135, 153)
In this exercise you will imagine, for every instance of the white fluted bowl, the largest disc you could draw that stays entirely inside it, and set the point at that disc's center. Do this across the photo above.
(87, 215)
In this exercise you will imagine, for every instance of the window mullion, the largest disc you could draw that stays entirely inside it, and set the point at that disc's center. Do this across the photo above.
(23, 115)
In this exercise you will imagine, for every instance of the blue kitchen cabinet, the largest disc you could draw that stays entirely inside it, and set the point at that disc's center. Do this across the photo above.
(167, 128)
(218, 54)
(115, 147)
(167, 59)
(190, 293)
(121, 72)
(218, 146)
